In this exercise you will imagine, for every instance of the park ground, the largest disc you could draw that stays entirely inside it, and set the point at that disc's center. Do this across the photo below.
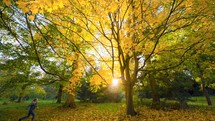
(50, 111)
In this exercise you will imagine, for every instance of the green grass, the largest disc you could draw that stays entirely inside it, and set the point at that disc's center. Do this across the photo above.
(200, 102)
(50, 111)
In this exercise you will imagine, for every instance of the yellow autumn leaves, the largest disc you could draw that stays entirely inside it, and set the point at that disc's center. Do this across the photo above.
(110, 112)
(104, 78)
(123, 27)
(7, 2)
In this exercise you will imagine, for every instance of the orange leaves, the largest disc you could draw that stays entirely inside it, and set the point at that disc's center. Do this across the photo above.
(127, 45)
(209, 35)
(31, 17)
(96, 81)
(78, 69)
(37, 36)
(148, 47)
(76, 76)
(105, 73)
(40, 6)
(131, 26)
(22, 5)
(50, 111)
(188, 3)
(113, 6)
(73, 57)
(7, 2)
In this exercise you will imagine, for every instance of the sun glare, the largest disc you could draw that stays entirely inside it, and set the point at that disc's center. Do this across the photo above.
(115, 82)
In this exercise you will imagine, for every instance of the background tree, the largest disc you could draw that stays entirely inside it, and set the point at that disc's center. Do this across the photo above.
(18, 37)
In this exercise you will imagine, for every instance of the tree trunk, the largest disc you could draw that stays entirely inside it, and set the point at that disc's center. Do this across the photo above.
(129, 100)
(59, 95)
(70, 102)
(155, 94)
(20, 97)
(21, 94)
(205, 92)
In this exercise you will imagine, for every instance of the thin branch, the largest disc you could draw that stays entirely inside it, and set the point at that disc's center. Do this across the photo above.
(36, 52)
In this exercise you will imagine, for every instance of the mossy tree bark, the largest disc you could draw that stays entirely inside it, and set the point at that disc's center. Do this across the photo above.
(155, 94)
(60, 93)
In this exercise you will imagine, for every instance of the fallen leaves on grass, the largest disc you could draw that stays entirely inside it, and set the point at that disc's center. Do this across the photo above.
(94, 112)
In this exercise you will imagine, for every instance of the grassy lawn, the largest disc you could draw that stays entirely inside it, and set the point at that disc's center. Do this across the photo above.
(201, 101)
(50, 111)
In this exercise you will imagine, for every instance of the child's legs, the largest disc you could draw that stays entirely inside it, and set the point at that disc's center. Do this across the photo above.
(25, 116)
(32, 113)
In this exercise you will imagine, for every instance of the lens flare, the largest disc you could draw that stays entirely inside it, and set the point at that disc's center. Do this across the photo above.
(115, 82)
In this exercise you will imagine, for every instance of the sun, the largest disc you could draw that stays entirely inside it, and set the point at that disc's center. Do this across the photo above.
(115, 82)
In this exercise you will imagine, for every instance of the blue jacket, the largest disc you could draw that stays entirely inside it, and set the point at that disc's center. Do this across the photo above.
(32, 106)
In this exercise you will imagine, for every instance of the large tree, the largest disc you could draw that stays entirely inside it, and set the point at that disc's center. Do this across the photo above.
(121, 36)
